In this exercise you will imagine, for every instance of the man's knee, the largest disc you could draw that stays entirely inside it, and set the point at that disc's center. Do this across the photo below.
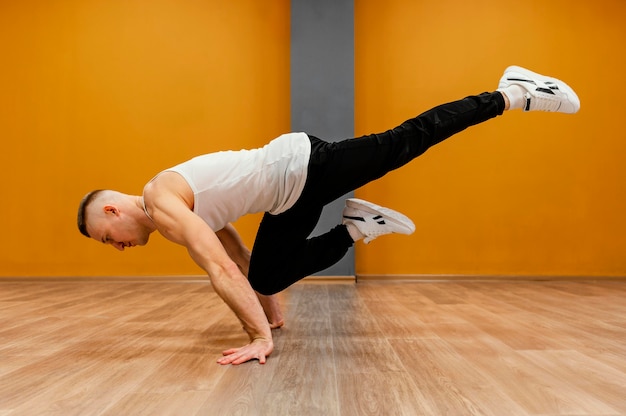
(264, 286)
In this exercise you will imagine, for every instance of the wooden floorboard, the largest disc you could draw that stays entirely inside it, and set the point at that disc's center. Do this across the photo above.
(372, 348)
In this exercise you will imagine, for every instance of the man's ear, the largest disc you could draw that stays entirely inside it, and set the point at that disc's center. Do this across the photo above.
(111, 209)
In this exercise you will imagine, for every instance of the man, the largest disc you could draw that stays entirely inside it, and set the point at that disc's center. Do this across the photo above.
(291, 179)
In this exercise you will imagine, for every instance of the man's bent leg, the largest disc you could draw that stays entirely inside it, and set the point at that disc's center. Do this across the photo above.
(283, 253)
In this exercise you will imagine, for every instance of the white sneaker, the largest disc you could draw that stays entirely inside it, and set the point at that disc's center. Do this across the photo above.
(542, 93)
(373, 220)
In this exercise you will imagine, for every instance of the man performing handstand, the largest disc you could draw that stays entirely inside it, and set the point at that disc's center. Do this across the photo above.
(291, 179)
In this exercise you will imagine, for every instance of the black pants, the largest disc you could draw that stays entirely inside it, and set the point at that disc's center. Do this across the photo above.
(283, 253)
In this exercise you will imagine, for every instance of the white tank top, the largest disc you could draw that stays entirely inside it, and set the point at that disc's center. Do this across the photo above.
(230, 184)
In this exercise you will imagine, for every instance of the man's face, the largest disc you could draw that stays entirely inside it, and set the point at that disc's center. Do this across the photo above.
(113, 227)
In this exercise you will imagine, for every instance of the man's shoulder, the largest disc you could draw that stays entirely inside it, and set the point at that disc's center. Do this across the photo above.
(166, 186)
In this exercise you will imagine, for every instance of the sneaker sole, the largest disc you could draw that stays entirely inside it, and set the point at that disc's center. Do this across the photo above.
(563, 87)
(401, 220)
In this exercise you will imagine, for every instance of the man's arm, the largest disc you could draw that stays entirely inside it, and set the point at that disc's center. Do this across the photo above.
(179, 224)
(237, 250)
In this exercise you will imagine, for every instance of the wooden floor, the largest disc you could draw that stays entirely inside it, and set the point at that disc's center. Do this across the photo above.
(496, 348)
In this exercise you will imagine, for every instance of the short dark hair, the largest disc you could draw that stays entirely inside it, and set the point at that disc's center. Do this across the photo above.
(82, 211)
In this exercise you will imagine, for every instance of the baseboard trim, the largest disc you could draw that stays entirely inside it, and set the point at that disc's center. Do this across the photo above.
(479, 278)
(322, 279)
(329, 279)
(122, 279)
(156, 279)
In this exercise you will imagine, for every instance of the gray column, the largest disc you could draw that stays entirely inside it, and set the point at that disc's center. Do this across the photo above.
(322, 86)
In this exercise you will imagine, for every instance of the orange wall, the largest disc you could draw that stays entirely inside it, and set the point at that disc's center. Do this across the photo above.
(526, 194)
(106, 94)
